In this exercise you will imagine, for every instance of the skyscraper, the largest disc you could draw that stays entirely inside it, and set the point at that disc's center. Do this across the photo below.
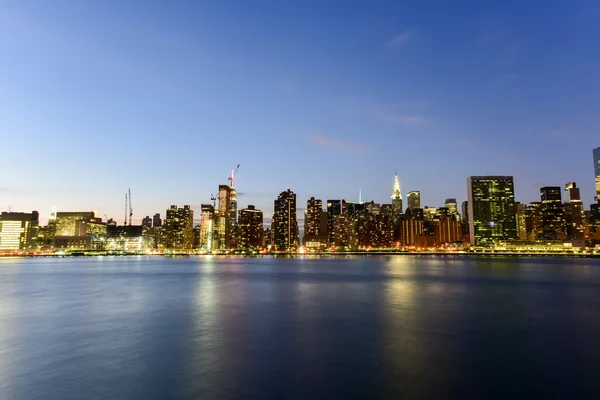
(452, 206)
(334, 208)
(396, 198)
(315, 225)
(250, 229)
(18, 230)
(208, 229)
(284, 224)
(224, 224)
(178, 228)
(156, 221)
(553, 214)
(574, 214)
(596, 153)
(413, 199)
(491, 201)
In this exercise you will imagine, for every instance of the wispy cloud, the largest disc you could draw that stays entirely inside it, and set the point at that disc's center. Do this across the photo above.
(399, 118)
(340, 144)
(402, 38)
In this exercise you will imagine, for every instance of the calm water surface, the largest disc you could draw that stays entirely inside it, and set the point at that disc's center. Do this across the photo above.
(234, 328)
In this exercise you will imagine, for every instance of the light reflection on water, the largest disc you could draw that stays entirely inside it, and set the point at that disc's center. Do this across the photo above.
(365, 327)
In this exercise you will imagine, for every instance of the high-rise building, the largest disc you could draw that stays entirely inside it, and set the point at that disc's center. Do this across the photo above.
(574, 214)
(224, 224)
(312, 218)
(18, 230)
(452, 206)
(521, 225)
(79, 231)
(533, 220)
(554, 225)
(396, 198)
(596, 153)
(465, 216)
(208, 231)
(447, 229)
(492, 214)
(147, 222)
(334, 208)
(413, 199)
(316, 235)
(156, 221)
(345, 233)
(178, 228)
(250, 229)
(284, 224)
(73, 223)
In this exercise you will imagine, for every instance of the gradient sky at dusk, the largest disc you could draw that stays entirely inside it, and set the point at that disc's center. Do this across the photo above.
(323, 97)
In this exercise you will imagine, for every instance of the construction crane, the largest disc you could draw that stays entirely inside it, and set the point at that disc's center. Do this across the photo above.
(232, 176)
(214, 199)
(130, 208)
(125, 223)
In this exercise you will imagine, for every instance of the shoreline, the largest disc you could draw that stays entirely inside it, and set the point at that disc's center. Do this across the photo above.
(498, 253)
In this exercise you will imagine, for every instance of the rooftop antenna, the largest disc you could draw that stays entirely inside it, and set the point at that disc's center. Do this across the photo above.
(125, 223)
(130, 208)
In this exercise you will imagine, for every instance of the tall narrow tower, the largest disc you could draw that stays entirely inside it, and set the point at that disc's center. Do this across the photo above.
(396, 198)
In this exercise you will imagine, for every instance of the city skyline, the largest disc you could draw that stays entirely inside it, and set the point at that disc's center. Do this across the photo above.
(98, 100)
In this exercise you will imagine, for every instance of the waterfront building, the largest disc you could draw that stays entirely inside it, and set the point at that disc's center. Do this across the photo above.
(521, 225)
(465, 217)
(284, 223)
(412, 229)
(334, 208)
(396, 199)
(224, 224)
(574, 215)
(127, 238)
(79, 231)
(553, 214)
(533, 220)
(18, 231)
(492, 214)
(178, 228)
(596, 153)
(447, 229)
(315, 225)
(208, 230)
(345, 238)
(413, 199)
(250, 229)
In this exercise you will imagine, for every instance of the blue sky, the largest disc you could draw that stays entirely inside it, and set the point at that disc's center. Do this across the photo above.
(323, 97)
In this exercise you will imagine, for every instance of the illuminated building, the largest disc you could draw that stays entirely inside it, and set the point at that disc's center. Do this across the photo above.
(554, 225)
(224, 224)
(178, 228)
(208, 223)
(315, 225)
(521, 225)
(533, 220)
(413, 199)
(412, 229)
(465, 217)
(250, 229)
(596, 153)
(284, 224)
(126, 238)
(156, 221)
(73, 223)
(396, 198)
(345, 234)
(447, 229)
(334, 208)
(574, 215)
(147, 222)
(18, 231)
(452, 206)
(491, 209)
(79, 231)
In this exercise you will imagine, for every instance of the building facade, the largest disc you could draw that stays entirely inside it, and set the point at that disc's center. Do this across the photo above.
(18, 231)
(250, 229)
(491, 202)
(284, 224)
(178, 229)
(413, 199)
